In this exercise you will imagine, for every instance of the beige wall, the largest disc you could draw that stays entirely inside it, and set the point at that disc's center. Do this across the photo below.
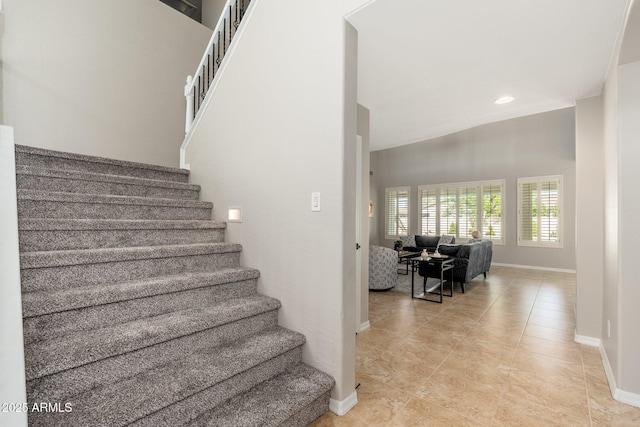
(281, 125)
(589, 217)
(363, 131)
(621, 106)
(211, 11)
(101, 77)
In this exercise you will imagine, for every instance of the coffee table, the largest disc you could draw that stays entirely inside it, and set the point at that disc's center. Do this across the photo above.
(444, 263)
(404, 257)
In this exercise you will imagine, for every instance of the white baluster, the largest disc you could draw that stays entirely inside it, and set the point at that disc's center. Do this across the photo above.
(188, 93)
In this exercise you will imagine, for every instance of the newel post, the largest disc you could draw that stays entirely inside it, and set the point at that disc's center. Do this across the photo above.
(188, 93)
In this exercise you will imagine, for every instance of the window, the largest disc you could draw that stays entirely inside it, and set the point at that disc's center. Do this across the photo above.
(540, 211)
(396, 212)
(459, 209)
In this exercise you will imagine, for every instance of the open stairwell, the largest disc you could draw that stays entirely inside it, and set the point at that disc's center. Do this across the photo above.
(137, 312)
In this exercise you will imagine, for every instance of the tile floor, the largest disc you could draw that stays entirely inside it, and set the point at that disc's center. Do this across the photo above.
(502, 354)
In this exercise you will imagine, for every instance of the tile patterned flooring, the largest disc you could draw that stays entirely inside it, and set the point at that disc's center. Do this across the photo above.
(502, 354)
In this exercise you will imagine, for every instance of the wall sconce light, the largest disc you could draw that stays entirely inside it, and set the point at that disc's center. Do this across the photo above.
(235, 214)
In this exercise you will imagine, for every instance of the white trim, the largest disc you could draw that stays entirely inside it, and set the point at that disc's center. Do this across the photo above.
(216, 81)
(358, 9)
(12, 373)
(534, 267)
(583, 339)
(364, 326)
(341, 407)
(629, 398)
(623, 396)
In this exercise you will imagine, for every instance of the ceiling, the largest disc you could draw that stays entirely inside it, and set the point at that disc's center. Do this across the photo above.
(429, 68)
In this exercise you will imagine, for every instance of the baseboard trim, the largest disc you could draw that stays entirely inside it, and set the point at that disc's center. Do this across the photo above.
(622, 396)
(364, 326)
(341, 407)
(583, 339)
(533, 267)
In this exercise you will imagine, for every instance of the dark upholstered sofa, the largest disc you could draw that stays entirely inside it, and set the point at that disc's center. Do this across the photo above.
(471, 260)
(417, 243)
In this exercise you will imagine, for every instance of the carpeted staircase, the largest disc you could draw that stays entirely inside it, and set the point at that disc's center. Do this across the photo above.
(136, 312)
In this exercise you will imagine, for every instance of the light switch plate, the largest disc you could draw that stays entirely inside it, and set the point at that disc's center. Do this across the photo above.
(315, 202)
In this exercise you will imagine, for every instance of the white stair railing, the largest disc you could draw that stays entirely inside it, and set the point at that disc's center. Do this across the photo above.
(199, 84)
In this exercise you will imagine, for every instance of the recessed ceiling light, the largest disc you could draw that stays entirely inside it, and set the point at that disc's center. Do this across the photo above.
(504, 100)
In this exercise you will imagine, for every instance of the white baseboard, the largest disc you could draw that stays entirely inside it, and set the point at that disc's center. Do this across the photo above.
(623, 396)
(341, 407)
(583, 339)
(533, 267)
(364, 326)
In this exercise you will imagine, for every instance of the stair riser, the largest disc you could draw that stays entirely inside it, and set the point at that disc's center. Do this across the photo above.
(311, 412)
(65, 277)
(63, 385)
(68, 185)
(57, 209)
(182, 413)
(51, 162)
(52, 240)
(59, 324)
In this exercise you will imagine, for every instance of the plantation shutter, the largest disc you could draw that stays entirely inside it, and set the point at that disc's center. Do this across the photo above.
(396, 212)
(448, 211)
(428, 211)
(492, 212)
(548, 211)
(467, 211)
(539, 201)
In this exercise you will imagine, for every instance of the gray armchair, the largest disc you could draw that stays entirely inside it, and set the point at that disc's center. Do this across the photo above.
(383, 268)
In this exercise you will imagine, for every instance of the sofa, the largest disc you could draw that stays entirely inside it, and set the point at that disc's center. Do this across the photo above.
(383, 268)
(471, 260)
(417, 243)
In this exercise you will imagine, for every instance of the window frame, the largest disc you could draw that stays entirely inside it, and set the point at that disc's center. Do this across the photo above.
(435, 190)
(539, 180)
(387, 192)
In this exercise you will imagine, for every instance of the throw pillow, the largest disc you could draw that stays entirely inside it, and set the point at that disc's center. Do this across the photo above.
(408, 241)
(474, 240)
(445, 239)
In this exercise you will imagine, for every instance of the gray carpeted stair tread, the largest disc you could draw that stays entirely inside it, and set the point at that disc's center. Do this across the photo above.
(59, 354)
(47, 302)
(44, 234)
(43, 158)
(46, 204)
(273, 402)
(54, 196)
(29, 177)
(129, 400)
(45, 259)
(69, 224)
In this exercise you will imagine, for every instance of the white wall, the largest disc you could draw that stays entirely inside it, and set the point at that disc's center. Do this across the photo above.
(540, 144)
(12, 378)
(282, 125)
(589, 217)
(101, 77)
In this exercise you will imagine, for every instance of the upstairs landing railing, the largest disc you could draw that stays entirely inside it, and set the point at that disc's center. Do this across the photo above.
(199, 84)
